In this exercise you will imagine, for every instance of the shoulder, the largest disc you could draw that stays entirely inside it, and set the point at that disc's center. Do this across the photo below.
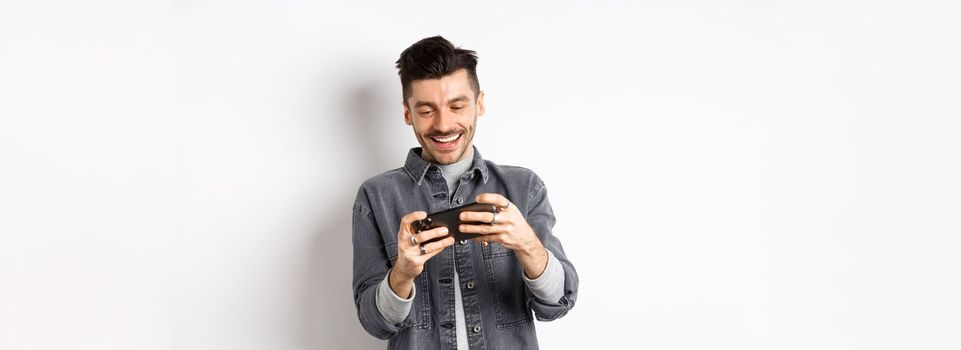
(377, 185)
(388, 178)
(516, 175)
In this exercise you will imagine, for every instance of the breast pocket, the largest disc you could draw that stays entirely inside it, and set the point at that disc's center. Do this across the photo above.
(420, 310)
(507, 286)
(496, 250)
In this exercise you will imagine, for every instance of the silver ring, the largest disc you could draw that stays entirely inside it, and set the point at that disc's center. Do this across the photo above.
(505, 207)
(423, 250)
(413, 240)
(494, 220)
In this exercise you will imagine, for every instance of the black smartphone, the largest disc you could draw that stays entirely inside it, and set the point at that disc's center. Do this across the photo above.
(451, 219)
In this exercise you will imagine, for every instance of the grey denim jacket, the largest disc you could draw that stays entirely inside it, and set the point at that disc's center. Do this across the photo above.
(497, 304)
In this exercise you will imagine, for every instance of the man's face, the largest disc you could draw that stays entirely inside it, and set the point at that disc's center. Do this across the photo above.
(444, 115)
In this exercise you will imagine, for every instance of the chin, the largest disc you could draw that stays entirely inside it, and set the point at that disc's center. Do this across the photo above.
(447, 158)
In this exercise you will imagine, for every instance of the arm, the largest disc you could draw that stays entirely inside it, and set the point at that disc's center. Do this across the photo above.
(549, 286)
(392, 306)
(373, 271)
(371, 265)
(527, 231)
(540, 216)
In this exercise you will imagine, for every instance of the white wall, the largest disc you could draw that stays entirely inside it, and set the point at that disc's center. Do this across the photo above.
(745, 175)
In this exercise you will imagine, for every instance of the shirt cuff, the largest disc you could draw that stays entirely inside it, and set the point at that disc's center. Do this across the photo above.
(549, 286)
(394, 308)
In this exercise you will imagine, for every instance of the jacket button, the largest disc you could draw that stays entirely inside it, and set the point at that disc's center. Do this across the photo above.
(463, 242)
(476, 329)
(470, 285)
(459, 200)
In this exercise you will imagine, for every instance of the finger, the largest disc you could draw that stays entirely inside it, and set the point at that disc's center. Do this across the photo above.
(491, 198)
(405, 232)
(483, 229)
(507, 205)
(434, 248)
(427, 235)
(408, 219)
(476, 216)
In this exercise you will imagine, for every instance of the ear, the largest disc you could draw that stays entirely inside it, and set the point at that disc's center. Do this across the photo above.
(480, 103)
(406, 113)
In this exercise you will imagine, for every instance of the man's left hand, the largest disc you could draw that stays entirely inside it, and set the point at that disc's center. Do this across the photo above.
(510, 230)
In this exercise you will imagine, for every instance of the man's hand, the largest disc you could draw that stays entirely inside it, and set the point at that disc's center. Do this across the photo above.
(510, 230)
(410, 256)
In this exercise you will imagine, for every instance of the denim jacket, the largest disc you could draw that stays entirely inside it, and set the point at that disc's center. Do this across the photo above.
(499, 308)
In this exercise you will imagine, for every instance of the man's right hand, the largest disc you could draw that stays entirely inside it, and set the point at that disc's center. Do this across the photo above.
(410, 259)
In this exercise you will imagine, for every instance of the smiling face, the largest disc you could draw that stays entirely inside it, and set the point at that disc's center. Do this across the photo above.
(444, 115)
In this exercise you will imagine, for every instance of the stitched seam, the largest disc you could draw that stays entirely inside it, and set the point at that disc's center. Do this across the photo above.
(425, 307)
(515, 323)
(493, 286)
(363, 211)
(487, 252)
(557, 314)
(392, 258)
(534, 192)
(500, 255)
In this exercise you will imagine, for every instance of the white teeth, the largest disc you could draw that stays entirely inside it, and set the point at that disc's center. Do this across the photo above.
(448, 139)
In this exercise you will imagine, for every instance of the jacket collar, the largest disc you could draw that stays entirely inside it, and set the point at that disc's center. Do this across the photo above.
(417, 167)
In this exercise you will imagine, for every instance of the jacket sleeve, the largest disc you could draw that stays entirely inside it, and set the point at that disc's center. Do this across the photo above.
(371, 265)
(540, 216)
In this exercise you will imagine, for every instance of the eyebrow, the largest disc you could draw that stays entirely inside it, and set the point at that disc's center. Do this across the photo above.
(450, 101)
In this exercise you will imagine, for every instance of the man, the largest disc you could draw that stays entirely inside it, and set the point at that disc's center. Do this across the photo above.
(479, 293)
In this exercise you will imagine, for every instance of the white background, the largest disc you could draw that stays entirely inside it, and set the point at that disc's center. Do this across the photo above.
(726, 175)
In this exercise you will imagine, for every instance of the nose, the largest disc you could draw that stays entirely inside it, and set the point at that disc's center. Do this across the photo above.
(445, 122)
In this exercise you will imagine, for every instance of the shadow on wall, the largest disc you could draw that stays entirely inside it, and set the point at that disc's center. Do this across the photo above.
(330, 317)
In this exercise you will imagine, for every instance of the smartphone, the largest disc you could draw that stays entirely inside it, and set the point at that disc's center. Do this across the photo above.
(451, 219)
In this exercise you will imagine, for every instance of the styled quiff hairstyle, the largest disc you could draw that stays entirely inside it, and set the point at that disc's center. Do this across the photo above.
(432, 58)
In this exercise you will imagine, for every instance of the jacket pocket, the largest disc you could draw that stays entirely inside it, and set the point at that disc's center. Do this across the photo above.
(508, 291)
(496, 250)
(420, 310)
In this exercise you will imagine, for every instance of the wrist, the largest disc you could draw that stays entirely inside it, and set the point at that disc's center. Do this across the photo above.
(401, 285)
(534, 250)
(534, 260)
(397, 274)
